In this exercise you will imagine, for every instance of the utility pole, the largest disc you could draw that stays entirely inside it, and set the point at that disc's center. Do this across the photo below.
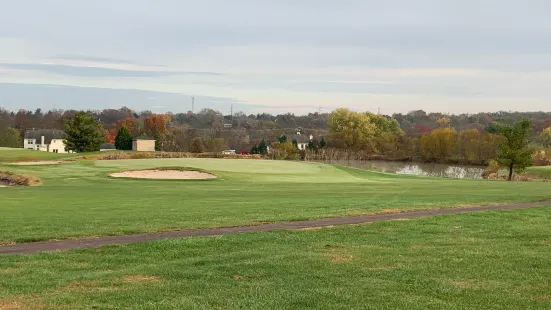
(379, 110)
(192, 105)
(231, 113)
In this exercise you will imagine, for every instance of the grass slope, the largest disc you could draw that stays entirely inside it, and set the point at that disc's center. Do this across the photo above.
(490, 260)
(79, 199)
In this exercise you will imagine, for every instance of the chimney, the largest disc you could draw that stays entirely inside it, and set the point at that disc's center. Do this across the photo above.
(42, 140)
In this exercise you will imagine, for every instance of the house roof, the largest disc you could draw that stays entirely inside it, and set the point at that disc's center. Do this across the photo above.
(143, 138)
(107, 146)
(299, 138)
(49, 135)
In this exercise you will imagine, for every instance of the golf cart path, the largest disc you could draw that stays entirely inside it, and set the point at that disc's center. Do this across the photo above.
(94, 242)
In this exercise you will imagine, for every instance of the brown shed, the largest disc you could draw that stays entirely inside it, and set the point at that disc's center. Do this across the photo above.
(143, 144)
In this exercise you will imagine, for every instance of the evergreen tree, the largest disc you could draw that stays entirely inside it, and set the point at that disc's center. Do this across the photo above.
(197, 145)
(310, 146)
(295, 144)
(323, 144)
(514, 151)
(83, 133)
(254, 149)
(282, 139)
(262, 147)
(123, 141)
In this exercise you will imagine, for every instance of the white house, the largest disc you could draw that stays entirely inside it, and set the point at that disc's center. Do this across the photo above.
(302, 140)
(45, 140)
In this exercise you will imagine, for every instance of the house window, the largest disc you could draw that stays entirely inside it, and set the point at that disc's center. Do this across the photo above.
(30, 142)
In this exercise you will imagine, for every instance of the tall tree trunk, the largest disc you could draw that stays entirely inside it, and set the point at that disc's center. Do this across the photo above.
(510, 172)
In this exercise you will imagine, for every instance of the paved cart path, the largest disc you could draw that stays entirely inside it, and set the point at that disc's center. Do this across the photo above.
(93, 242)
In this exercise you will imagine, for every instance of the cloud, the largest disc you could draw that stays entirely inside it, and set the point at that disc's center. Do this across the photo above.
(96, 71)
(288, 54)
(103, 60)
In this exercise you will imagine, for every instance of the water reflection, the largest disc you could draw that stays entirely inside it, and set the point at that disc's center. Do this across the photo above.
(425, 169)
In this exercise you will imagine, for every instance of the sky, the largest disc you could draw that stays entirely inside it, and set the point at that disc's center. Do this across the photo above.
(297, 56)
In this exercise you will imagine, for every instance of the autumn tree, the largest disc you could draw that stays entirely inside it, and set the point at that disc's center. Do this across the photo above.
(156, 126)
(353, 129)
(216, 145)
(197, 145)
(83, 133)
(438, 145)
(123, 141)
(443, 122)
(545, 137)
(514, 151)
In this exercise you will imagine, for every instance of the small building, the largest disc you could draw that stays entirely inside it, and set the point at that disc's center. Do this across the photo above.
(45, 140)
(229, 152)
(302, 140)
(143, 144)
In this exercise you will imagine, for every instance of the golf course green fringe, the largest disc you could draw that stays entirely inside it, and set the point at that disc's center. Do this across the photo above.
(150, 155)
(12, 179)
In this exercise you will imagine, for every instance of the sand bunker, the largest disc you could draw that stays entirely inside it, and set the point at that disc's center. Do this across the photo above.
(36, 163)
(165, 175)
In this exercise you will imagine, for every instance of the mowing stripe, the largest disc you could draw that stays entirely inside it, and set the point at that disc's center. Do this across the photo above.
(94, 242)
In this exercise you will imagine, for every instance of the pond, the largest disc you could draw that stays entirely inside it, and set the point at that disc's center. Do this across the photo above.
(425, 169)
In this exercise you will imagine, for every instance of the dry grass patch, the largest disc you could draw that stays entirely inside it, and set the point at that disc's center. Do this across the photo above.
(9, 178)
(141, 279)
(21, 303)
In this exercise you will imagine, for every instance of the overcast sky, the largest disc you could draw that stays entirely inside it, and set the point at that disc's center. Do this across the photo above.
(278, 56)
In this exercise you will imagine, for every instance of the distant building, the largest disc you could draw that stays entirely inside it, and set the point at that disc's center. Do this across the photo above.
(228, 152)
(302, 140)
(45, 140)
(143, 144)
(104, 147)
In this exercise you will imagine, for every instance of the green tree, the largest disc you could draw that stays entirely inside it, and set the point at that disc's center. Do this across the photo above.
(514, 151)
(197, 145)
(254, 149)
(282, 139)
(323, 144)
(313, 145)
(83, 133)
(262, 147)
(295, 144)
(10, 137)
(123, 140)
(492, 128)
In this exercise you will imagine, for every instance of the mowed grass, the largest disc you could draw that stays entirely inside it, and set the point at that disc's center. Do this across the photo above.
(543, 172)
(487, 260)
(8, 155)
(80, 199)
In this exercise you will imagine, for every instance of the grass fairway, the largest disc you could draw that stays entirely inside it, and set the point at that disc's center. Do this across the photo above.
(8, 155)
(543, 172)
(79, 199)
(490, 260)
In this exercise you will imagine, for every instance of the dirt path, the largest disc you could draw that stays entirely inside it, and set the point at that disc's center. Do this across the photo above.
(55, 245)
